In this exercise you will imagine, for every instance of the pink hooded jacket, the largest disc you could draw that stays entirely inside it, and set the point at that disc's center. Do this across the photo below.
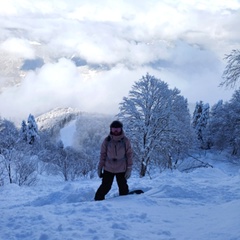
(116, 154)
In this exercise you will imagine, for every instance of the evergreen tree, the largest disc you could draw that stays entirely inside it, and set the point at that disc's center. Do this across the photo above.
(24, 130)
(32, 130)
(199, 123)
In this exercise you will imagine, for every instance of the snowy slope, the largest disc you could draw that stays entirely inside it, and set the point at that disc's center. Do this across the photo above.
(67, 133)
(61, 122)
(204, 204)
(57, 118)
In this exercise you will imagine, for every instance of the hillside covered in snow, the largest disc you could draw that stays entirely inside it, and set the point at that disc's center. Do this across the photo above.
(203, 204)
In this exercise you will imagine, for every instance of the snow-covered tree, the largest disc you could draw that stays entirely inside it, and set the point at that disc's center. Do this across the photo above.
(157, 121)
(25, 172)
(216, 122)
(62, 161)
(224, 124)
(70, 163)
(181, 134)
(24, 131)
(231, 74)
(32, 130)
(8, 139)
(233, 122)
(199, 123)
(15, 159)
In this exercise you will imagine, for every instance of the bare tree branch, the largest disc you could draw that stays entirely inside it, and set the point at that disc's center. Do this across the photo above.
(231, 74)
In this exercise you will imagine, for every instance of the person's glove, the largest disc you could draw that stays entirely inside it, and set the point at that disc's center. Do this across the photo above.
(128, 173)
(100, 173)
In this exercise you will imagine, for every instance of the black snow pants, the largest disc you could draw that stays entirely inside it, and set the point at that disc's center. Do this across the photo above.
(106, 185)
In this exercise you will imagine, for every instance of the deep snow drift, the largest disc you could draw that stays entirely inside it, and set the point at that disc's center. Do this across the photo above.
(204, 204)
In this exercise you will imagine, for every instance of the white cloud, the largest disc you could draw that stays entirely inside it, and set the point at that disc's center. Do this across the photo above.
(18, 47)
(63, 85)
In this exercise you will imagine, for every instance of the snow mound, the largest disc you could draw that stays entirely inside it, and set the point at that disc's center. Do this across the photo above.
(67, 195)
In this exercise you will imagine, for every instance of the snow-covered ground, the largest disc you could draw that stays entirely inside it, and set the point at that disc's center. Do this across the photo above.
(204, 204)
(67, 133)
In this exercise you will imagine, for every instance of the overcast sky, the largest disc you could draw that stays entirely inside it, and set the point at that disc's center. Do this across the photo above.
(181, 42)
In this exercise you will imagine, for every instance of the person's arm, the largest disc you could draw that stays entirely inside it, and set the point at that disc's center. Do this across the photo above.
(103, 154)
(129, 154)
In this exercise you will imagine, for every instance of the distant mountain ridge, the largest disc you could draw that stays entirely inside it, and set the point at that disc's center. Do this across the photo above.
(54, 120)
(62, 115)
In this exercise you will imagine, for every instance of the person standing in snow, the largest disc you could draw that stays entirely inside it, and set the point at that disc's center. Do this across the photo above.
(115, 160)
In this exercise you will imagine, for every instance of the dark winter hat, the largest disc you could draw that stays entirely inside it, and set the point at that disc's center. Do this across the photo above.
(116, 124)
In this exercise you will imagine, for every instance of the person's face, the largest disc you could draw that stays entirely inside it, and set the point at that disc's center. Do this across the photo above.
(116, 131)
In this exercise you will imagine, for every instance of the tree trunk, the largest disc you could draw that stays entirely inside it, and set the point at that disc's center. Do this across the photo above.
(10, 173)
(169, 161)
(65, 170)
(143, 170)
